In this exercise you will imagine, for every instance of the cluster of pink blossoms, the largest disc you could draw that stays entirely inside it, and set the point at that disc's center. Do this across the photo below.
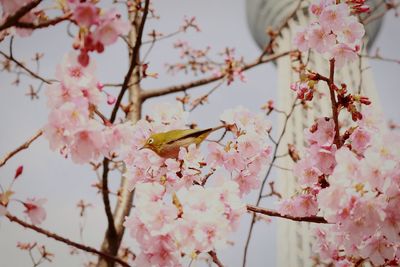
(196, 220)
(175, 215)
(335, 33)
(73, 128)
(243, 156)
(356, 189)
(97, 28)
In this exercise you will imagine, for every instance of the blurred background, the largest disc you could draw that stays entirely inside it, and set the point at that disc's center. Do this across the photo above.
(47, 174)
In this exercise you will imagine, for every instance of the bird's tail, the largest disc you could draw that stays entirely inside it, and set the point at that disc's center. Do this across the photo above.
(217, 128)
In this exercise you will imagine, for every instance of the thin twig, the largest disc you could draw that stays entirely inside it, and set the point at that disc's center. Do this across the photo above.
(65, 240)
(21, 147)
(190, 85)
(274, 157)
(22, 66)
(273, 213)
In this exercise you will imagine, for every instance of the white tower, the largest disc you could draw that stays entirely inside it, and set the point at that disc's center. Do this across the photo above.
(294, 240)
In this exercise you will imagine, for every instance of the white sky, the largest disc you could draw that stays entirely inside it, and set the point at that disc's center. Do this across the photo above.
(46, 173)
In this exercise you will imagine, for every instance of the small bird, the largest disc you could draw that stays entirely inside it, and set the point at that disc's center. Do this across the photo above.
(168, 144)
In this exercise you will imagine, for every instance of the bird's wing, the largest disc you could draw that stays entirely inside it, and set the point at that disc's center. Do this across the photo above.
(190, 133)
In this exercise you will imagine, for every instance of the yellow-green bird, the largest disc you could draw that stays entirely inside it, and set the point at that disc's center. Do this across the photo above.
(168, 144)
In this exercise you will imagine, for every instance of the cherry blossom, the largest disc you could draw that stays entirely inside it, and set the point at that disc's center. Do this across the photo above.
(34, 209)
(333, 17)
(336, 33)
(343, 54)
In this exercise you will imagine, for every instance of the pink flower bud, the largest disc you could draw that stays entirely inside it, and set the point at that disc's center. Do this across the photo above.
(100, 86)
(18, 171)
(110, 99)
(83, 59)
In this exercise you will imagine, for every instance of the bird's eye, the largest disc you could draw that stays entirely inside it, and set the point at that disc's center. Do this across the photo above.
(151, 140)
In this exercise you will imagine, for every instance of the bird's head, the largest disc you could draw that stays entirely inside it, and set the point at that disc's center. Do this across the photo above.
(153, 143)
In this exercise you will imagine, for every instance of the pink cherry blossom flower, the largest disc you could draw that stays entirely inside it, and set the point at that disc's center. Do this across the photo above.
(324, 133)
(299, 206)
(333, 17)
(34, 209)
(234, 161)
(216, 154)
(377, 249)
(73, 74)
(318, 6)
(320, 38)
(247, 182)
(343, 54)
(360, 140)
(248, 145)
(87, 144)
(300, 40)
(86, 14)
(110, 27)
(323, 158)
(306, 173)
(352, 32)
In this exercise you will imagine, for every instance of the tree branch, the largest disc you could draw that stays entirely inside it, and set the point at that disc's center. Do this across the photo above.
(274, 157)
(21, 147)
(51, 22)
(313, 219)
(335, 112)
(190, 85)
(65, 240)
(134, 62)
(111, 232)
(11, 20)
(215, 259)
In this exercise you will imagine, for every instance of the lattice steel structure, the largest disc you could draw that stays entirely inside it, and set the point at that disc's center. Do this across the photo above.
(294, 240)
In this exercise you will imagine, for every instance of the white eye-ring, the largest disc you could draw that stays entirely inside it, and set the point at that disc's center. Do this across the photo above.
(151, 140)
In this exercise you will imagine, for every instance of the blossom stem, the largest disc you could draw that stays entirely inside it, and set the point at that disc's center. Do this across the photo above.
(272, 213)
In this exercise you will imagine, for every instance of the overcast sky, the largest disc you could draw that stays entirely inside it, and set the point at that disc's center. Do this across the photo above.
(46, 173)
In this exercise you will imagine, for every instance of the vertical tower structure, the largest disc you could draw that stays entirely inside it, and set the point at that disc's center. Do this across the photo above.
(294, 239)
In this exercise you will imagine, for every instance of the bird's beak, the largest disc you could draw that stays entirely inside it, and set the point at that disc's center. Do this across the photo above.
(144, 147)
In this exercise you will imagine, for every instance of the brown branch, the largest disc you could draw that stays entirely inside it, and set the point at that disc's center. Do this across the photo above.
(190, 85)
(22, 66)
(215, 259)
(124, 204)
(11, 20)
(65, 240)
(134, 62)
(111, 231)
(44, 24)
(272, 213)
(21, 147)
(334, 105)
